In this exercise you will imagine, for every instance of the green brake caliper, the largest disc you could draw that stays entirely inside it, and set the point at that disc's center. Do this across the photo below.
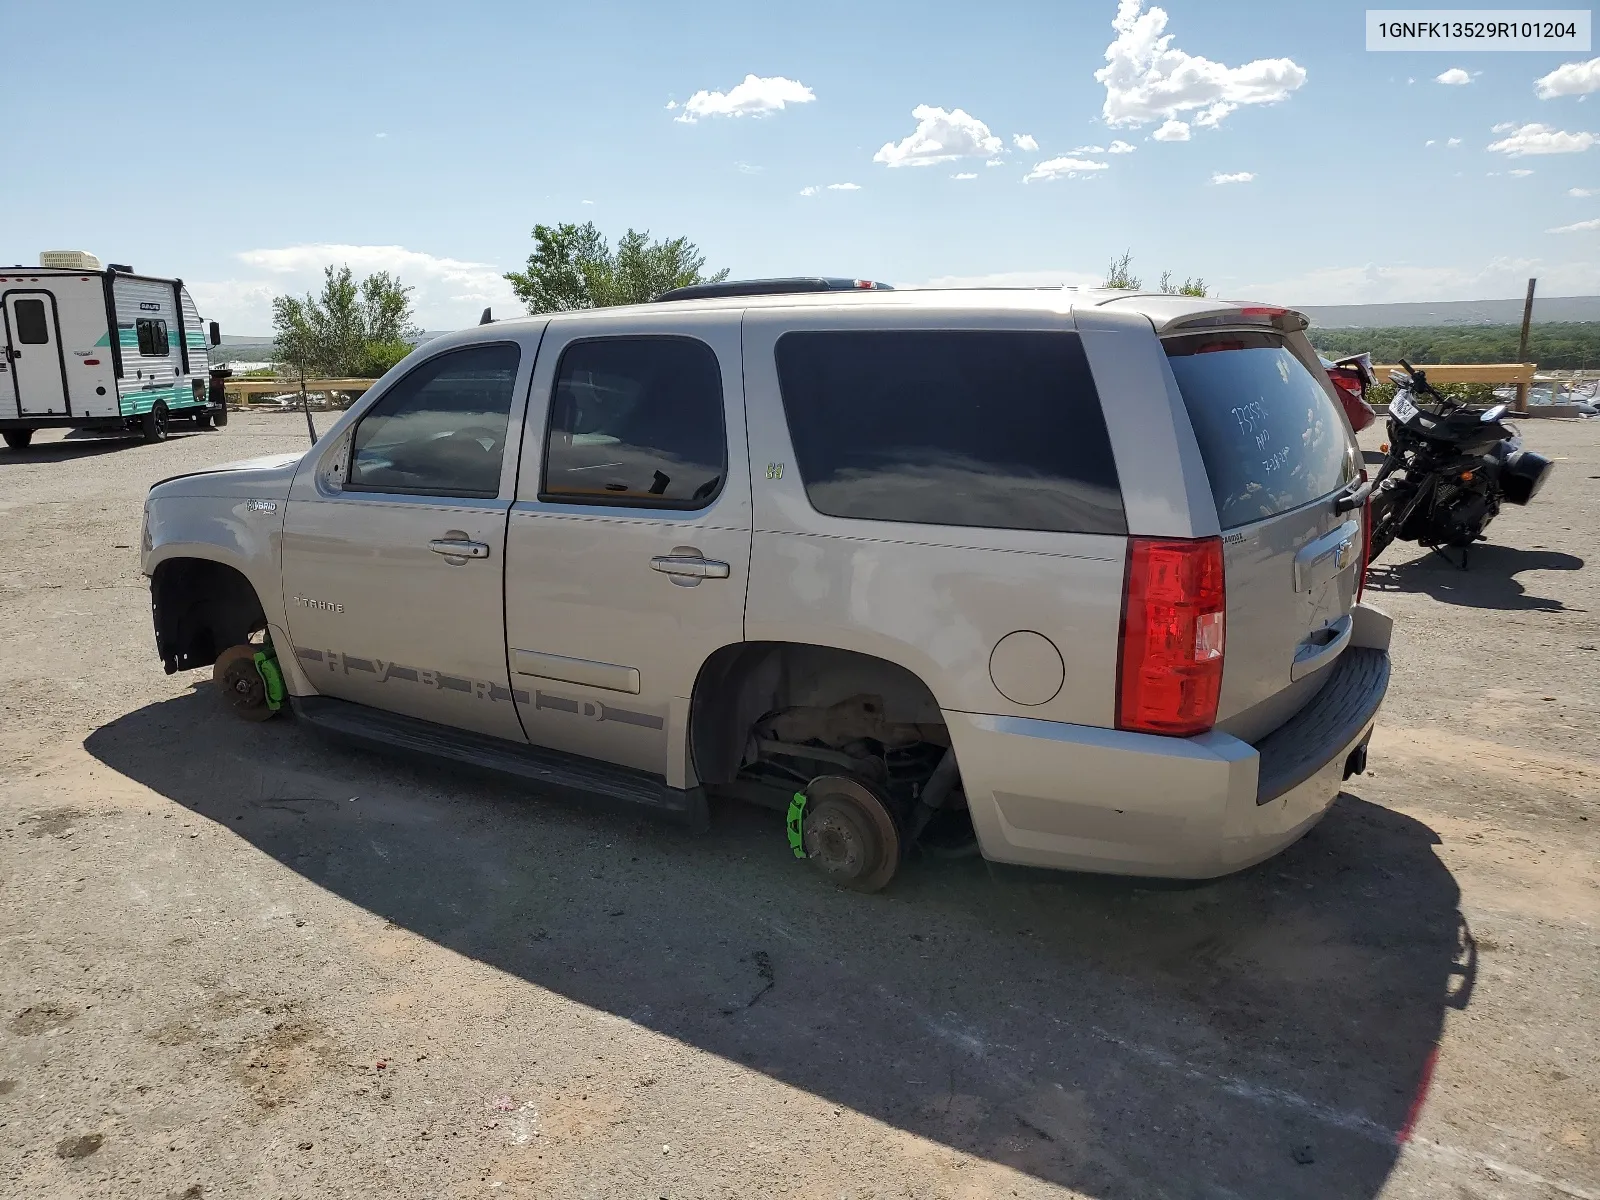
(271, 676)
(797, 812)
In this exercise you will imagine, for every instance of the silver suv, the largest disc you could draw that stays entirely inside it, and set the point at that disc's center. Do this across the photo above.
(1070, 577)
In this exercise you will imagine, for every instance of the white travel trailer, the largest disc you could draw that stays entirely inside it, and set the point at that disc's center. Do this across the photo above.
(88, 347)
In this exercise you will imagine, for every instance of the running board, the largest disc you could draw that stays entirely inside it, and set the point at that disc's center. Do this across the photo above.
(551, 768)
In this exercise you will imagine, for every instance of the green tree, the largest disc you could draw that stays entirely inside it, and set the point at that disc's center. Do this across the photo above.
(572, 266)
(1189, 287)
(352, 329)
(1120, 273)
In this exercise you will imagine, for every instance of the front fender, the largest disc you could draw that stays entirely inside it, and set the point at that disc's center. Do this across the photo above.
(238, 532)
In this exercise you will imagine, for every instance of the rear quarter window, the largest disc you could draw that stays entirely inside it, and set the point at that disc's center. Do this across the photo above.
(994, 429)
(1271, 437)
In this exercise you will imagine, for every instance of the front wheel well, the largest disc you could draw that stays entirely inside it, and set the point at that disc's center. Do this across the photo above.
(200, 608)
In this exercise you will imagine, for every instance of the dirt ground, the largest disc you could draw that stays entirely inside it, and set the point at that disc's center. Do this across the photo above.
(239, 961)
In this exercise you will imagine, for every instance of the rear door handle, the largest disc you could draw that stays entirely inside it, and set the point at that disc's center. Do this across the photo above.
(459, 548)
(690, 566)
(1321, 648)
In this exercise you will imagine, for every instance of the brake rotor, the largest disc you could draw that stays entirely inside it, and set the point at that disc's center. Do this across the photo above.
(849, 833)
(239, 684)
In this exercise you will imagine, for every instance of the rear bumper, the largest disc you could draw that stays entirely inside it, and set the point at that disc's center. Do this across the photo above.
(1047, 794)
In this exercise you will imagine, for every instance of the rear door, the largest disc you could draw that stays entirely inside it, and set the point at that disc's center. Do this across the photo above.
(37, 365)
(1278, 452)
(628, 547)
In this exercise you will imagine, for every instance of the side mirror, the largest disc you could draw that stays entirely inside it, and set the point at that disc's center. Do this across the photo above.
(216, 334)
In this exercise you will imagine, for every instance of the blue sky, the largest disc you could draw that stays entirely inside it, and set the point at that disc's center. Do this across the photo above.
(429, 139)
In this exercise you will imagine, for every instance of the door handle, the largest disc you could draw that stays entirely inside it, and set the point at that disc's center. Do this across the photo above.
(1321, 648)
(691, 566)
(459, 548)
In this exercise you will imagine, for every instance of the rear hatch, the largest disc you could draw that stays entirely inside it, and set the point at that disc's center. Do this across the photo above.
(1278, 453)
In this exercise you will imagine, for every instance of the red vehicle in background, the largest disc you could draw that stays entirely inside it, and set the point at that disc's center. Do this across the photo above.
(1352, 377)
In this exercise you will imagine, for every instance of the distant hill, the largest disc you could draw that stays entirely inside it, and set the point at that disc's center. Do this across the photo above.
(1450, 312)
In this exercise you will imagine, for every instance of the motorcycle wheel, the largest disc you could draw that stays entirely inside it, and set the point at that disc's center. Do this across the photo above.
(1383, 524)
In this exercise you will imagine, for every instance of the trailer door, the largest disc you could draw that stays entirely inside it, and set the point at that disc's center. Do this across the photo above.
(37, 367)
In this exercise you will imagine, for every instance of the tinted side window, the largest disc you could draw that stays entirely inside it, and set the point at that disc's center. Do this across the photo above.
(152, 338)
(637, 421)
(440, 431)
(995, 429)
(32, 329)
(1271, 437)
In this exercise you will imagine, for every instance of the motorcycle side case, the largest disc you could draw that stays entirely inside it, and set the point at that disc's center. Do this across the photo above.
(1522, 474)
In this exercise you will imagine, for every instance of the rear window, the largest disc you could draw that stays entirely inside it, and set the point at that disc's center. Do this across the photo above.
(1000, 430)
(1271, 436)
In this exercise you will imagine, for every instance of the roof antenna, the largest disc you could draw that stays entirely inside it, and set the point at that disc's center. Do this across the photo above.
(486, 319)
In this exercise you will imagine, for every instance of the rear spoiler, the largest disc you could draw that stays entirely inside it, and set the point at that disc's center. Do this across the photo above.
(1285, 320)
(1174, 314)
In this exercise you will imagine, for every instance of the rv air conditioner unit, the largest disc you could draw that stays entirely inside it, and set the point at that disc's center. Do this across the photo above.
(70, 260)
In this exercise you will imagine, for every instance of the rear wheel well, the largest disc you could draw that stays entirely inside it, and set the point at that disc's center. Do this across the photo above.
(769, 719)
(201, 608)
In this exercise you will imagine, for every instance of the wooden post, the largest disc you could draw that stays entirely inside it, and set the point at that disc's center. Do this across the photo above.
(1522, 345)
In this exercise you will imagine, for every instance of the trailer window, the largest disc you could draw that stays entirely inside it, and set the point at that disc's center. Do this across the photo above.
(32, 328)
(153, 338)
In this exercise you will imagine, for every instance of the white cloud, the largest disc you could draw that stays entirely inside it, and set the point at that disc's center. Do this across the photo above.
(1024, 141)
(1089, 149)
(380, 135)
(995, 162)
(1503, 127)
(1582, 193)
(844, 187)
(1064, 168)
(940, 136)
(1173, 130)
(1499, 278)
(1454, 77)
(1120, 147)
(1236, 177)
(1147, 79)
(965, 175)
(671, 104)
(810, 191)
(745, 168)
(1453, 142)
(588, 201)
(1541, 139)
(1429, 142)
(448, 292)
(1212, 115)
(1519, 172)
(755, 97)
(1581, 227)
(1570, 79)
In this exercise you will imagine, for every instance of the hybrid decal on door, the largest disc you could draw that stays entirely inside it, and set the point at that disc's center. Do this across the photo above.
(383, 672)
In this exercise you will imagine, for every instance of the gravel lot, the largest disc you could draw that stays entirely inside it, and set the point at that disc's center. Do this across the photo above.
(239, 961)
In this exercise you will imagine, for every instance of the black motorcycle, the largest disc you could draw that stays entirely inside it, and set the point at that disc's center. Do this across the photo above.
(1449, 467)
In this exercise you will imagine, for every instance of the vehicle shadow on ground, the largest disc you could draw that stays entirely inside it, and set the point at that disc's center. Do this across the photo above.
(1265, 1035)
(1489, 580)
(78, 446)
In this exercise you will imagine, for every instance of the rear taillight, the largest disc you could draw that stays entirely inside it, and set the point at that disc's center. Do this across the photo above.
(1169, 670)
(1347, 382)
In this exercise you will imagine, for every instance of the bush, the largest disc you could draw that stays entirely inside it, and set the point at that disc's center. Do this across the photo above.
(1480, 394)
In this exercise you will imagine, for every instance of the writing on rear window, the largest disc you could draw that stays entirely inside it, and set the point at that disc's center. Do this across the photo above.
(1271, 437)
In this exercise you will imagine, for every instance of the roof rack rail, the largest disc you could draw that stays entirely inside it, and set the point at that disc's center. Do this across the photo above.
(771, 287)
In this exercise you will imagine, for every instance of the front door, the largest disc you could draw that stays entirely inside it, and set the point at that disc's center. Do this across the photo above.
(36, 363)
(629, 543)
(392, 565)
